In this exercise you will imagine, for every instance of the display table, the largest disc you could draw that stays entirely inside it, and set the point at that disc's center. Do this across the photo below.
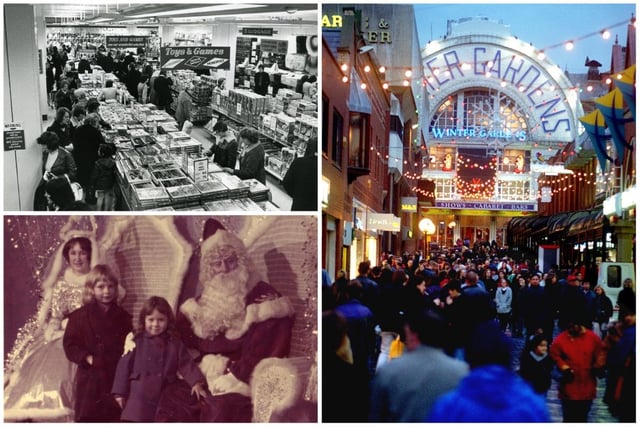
(160, 168)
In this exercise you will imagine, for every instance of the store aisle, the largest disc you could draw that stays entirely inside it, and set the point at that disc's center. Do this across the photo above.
(278, 196)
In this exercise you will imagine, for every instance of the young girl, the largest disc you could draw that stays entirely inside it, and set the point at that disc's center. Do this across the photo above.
(536, 365)
(94, 340)
(156, 361)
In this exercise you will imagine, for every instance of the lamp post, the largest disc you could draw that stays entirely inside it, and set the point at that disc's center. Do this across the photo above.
(427, 227)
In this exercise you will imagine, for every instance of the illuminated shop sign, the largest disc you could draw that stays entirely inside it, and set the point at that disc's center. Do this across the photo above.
(383, 222)
(482, 133)
(492, 206)
(409, 204)
(538, 85)
(331, 21)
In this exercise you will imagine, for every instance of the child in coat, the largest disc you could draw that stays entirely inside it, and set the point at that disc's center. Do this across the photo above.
(157, 360)
(536, 364)
(103, 178)
(94, 340)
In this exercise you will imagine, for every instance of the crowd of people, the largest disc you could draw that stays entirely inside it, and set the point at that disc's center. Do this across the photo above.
(468, 308)
(78, 170)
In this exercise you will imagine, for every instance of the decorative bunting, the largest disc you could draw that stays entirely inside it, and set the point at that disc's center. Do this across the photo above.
(611, 106)
(595, 127)
(627, 85)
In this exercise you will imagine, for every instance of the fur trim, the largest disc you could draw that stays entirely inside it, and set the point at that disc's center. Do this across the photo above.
(36, 414)
(275, 386)
(223, 238)
(213, 366)
(259, 312)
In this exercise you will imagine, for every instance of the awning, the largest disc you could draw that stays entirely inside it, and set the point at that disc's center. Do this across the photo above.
(583, 223)
(358, 99)
(563, 225)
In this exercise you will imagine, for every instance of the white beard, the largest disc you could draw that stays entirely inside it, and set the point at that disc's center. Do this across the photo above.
(221, 305)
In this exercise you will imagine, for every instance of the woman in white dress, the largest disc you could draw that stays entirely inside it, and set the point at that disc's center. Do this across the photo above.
(40, 386)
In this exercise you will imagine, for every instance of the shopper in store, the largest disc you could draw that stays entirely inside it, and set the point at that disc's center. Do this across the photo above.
(93, 107)
(50, 79)
(60, 196)
(300, 181)
(103, 178)
(63, 97)
(225, 147)
(143, 89)
(84, 66)
(184, 106)
(133, 78)
(61, 126)
(261, 81)
(77, 118)
(81, 98)
(56, 162)
(162, 88)
(86, 141)
(251, 157)
(108, 91)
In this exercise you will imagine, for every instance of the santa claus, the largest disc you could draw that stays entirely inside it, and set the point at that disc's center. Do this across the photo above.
(235, 323)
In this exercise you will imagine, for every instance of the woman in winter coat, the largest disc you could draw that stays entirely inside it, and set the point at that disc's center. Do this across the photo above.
(503, 300)
(603, 309)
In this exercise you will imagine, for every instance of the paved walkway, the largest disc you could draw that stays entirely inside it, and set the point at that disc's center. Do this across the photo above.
(599, 412)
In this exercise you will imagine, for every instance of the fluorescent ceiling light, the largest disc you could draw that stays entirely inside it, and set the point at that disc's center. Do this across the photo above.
(217, 8)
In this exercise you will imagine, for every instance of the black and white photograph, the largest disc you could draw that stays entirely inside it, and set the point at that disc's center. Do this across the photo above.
(166, 107)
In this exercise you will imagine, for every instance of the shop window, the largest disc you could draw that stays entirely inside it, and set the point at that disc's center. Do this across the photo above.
(513, 190)
(338, 125)
(325, 125)
(395, 125)
(358, 140)
(445, 188)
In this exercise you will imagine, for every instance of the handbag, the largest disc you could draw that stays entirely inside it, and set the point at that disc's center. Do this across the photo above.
(78, 192)
(396, 349)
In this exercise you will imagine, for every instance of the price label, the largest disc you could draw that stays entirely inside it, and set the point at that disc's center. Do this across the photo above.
(239, 109)
(200, 169)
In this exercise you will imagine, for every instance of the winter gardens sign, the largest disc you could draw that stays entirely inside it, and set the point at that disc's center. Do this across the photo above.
(510, 66)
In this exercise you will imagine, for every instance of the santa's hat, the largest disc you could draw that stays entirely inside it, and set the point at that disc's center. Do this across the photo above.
(214, 236)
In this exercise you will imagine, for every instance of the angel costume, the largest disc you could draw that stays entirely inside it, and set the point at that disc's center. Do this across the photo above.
(41, 387)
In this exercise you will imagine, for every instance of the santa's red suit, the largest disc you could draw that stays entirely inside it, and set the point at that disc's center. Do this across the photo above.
(229, 353)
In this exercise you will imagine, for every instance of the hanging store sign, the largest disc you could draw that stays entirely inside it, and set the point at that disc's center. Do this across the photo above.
(13, 137)
(121, 42)
(264, 32)
(540, 87)
(492, 206)
(383, 222)
(195, 58)
(409, 204)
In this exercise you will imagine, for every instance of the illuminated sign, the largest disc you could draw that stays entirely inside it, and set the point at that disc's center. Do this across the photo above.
(492, 206)
(383, 222)
(333, 21)
(409, 204)
(482, 133)
(458, 62)
(549, 169)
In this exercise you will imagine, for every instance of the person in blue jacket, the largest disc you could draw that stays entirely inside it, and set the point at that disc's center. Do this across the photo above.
(491, 392)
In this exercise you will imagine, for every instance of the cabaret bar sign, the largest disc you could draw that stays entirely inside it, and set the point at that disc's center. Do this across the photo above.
(453, 66)
(482, 133)
(491, 206)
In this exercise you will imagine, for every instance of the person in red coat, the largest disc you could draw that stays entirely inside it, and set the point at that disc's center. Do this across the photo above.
(580, 357)
(94, 340)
